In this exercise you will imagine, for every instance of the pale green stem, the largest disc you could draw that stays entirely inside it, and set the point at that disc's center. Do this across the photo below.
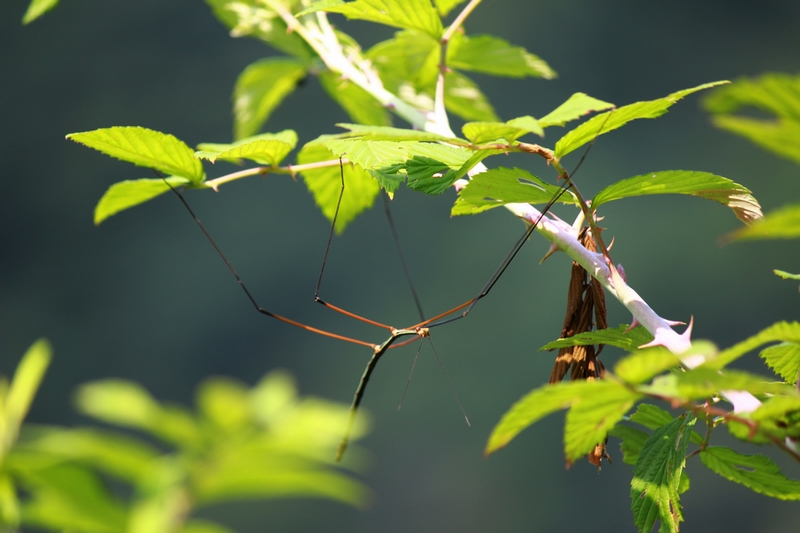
(459, 21)
(289, 169)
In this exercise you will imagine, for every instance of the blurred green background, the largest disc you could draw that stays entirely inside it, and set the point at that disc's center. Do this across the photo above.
(145, 298)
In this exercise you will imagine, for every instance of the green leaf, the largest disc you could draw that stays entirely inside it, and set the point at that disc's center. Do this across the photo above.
(409, 14)
(437, 185)
(250, 18)
(778, 417)
(67, 497)
(653, 417)
(130, 193)
(691, 182)
(775, 93)
(642, 365)
(408, 65)
(357, 103)
(325, 185)
(485, 132)
(539, 403)
(119, 455)
(784, 359)
(655, 488)
(606, 122)
(144, 148)
(782, 223)
(778, 332)
(786, 275)
(491, 55)
(500, 186)
(591, 417)
(224, 402)
(127, 404)
(37, 8)
(27, 378)
(781, 137)
(704, 382)
(756, 472)
(198, 525)
(632, 442)
(619, 337)
(463, 98)
(383, 133)
(266, 149)
(9, 503)
(445, 6)
(260, 88)
(578, 105)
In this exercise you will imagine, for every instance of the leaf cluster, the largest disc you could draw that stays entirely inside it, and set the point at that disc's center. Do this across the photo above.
(240, 443)
(598, 409)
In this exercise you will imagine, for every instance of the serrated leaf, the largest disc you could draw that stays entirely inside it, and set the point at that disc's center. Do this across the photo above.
(500, 186)
(785, 275)
(632, 442)
(782, 223)
(126, 194)
(250, 18)
(756, 472)
(656, 480)
(653, 417)
(779, 417)
(434, 185)
(463, 98)
(643, 365)
(385, 133)
(408, 63)
(576, 106)
(144, 148)
(775, 93)
(607, 122)
(409, 14)
(534, 406)
(22, 390)
(260, 88)
(619, 337)
(703, 383)
(491, 55)
(357, 103)
(445, 6)
(691, 182)
(485, 132)
(325, 184)
(784, 360)
(264, 151)
(591, 417)
(37, 8)
(778, 332)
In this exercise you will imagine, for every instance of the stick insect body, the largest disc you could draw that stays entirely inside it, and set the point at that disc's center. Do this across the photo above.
(418, 331)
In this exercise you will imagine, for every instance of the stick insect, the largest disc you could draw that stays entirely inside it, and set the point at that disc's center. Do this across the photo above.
(398, 336)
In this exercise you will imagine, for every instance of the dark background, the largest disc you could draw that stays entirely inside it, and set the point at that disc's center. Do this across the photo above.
(144, 297)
